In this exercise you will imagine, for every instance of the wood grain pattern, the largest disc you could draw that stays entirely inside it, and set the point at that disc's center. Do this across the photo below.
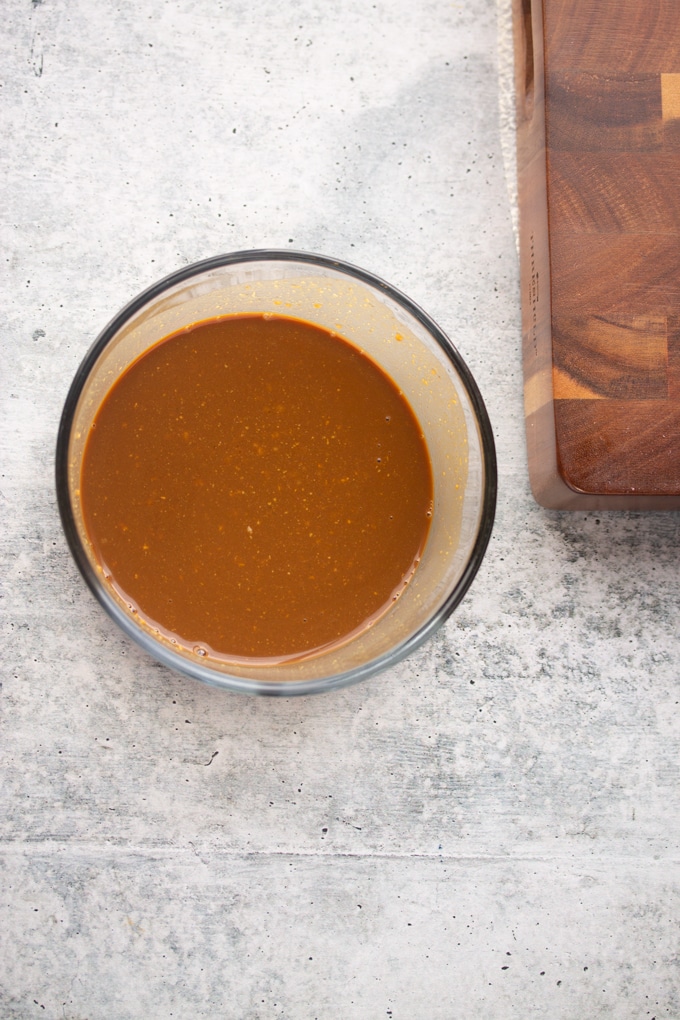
(638, 274)
(613, 112)
(615, 193)
(598, 86)
(618, 35)
(619, 358)
(620, 446)
(673, 334)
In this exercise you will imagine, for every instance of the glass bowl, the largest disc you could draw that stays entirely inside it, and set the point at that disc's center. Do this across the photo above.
(408, 346)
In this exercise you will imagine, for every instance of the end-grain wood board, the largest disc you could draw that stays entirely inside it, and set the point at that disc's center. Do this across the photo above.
(598, 131)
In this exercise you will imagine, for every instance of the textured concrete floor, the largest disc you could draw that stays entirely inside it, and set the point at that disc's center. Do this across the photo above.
(489, 830)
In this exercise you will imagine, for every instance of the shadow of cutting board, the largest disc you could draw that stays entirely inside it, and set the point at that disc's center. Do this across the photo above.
(598, 105)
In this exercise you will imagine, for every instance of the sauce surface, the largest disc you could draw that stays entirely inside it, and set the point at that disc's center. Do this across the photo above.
(255, 486)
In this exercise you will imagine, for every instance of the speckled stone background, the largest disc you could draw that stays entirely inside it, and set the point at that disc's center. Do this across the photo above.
(489, 830)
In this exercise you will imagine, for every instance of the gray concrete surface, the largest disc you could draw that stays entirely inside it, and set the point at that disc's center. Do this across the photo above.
(489, 830)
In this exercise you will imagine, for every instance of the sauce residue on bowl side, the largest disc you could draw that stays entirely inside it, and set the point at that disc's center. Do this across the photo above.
(256, 487)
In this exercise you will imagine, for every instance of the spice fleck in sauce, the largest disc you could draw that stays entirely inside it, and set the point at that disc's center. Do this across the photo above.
(255, 486)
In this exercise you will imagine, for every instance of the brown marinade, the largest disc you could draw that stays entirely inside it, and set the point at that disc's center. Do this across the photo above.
(256, 486)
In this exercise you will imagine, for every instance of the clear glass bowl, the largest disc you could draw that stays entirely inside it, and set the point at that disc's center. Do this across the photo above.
(398, 336)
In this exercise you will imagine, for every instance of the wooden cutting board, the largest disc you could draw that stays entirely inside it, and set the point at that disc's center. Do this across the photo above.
(598, 103)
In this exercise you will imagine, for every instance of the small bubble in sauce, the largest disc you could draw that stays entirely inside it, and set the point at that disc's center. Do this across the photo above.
(200, 650)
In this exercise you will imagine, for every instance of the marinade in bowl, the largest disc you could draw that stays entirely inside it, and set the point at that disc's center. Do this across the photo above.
(276, 473)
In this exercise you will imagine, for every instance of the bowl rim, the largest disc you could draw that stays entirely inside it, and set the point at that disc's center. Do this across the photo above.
(197, 670)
